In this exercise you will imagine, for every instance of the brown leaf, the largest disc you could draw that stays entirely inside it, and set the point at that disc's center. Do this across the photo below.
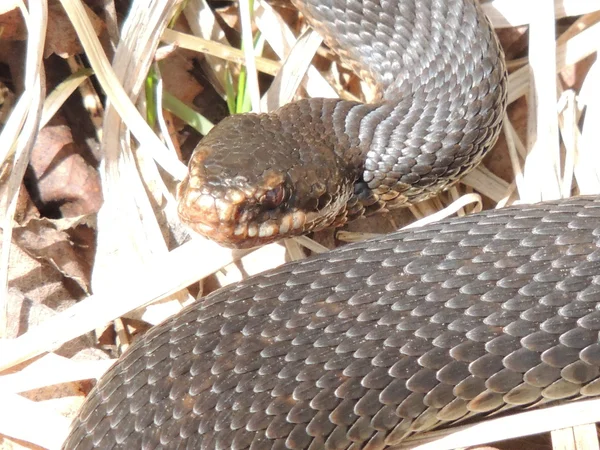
(514, 41)
(61, 177)
(61, 37)
(498, 160)
(47, 241)
(12, 26)
(178, 79)
(36, 288)
(230, 15)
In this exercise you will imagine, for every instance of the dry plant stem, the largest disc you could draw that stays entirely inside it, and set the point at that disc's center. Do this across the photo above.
(128, 230)
(512, 426)
(52, 369)
(517, 63)
(568, 53)
(542, 171)
(111, 20)
(203, 23)
(164, 129)
(18, 416)
(578, 26)
(60, 94)
(294, 250)
(282, 40)
(509, 134)
(91, 99)
(512, 13)
(427, 207)
(159, 278)
(590, 133)
(122, 337)
(114, 90)
(19, 135)
(292, 72)
(486, 182)
(218, 50)
(581, 437)
(247, 38)
(449, 210)
(311, 245)
(567, 123)
(519, 146)
(455, 195)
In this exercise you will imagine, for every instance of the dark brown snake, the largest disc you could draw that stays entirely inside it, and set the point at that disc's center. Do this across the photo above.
(362, 346)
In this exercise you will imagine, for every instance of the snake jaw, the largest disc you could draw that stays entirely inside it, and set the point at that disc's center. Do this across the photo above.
(240, 216)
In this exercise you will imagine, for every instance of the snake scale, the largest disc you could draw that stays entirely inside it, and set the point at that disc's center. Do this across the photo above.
(364, 345)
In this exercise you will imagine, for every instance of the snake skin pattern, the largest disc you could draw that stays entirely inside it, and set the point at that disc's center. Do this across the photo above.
(365, 345)
(359, 347)
(320, 162)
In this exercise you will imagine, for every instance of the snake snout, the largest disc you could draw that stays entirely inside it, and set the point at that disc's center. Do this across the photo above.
(237, 217)
(213, 214)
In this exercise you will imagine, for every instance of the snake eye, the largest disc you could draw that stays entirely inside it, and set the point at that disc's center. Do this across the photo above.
(273, 197)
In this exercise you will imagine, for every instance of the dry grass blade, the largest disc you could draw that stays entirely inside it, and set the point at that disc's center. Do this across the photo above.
(588, 165)
(572, 51)
(63, 91)
(483, 180)
(17, 138)
(510, 136)
(581, 437)
(311, 245)
(281, 39)
(449, 210)
(203, 23)
(115, 92)
(542, 171)
(292, 72)
(567, 121)
(18, 414)
(52, 369)
(512, 13)
(159, 278)
(217, 49)
(515, 425)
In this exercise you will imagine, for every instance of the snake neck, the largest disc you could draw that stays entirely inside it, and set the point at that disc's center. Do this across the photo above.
(441, 74)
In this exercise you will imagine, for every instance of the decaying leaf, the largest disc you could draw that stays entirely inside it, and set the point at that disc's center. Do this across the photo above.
(12, 26)
(61, 38)
(65, 184)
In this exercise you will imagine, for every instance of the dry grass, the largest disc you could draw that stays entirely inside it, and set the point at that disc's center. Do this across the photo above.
(134, 266)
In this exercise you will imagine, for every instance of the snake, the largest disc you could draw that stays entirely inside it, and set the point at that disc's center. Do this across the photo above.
(373, 342)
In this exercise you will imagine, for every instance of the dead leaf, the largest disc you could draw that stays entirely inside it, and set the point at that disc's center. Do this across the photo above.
(43, 240)
(497, 160)
(36, 291)
(61, 179)
(12, 25)
(61, 38)
(514, 41)
(180, 82)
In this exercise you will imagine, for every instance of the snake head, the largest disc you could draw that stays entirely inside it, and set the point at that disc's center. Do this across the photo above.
(234, 212)
(247, 188)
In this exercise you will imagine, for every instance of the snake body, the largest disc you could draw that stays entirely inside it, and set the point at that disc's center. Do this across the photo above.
(362, 346)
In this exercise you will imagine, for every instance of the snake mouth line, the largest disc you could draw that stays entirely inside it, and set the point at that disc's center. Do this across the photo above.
(247, 235)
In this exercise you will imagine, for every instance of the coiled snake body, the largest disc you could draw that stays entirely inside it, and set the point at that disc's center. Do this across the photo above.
(369, 343)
